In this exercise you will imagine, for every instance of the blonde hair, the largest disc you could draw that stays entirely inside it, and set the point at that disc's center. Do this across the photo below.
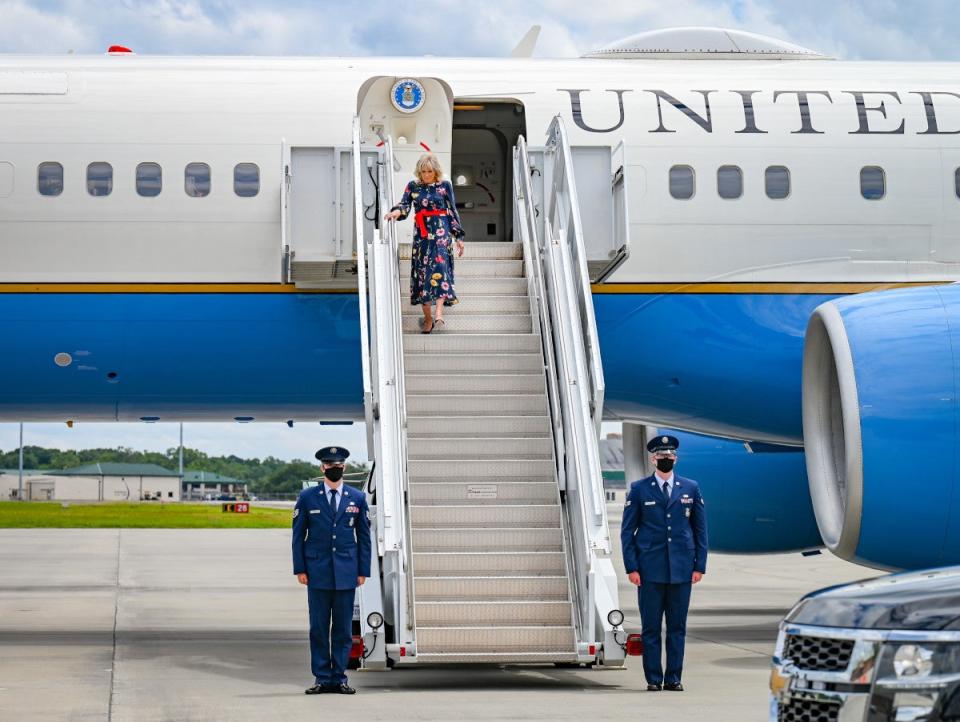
(428, 161)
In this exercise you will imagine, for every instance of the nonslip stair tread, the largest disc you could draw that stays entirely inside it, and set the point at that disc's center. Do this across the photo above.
(458, 426)
(504, 658)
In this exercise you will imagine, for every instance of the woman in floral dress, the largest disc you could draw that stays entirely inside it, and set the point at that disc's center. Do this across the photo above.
(437, 230)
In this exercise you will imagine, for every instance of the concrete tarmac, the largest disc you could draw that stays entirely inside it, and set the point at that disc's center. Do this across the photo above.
(156, 625)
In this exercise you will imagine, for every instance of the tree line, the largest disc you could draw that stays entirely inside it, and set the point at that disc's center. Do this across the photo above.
(267, 475)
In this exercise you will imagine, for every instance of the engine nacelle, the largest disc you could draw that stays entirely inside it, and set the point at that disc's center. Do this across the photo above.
(881, 425)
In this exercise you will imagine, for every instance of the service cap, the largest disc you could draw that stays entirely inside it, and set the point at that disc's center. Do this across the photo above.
(332, 455)
(660, 444)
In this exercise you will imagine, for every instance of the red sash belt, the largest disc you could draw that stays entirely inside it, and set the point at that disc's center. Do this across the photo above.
(419, 218)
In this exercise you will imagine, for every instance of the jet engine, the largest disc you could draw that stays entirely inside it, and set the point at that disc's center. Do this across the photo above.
(881, 425)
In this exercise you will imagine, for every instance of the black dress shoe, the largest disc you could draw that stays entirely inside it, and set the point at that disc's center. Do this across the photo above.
(673, 687)
(317, 689)
(344, 689)
(654, 687)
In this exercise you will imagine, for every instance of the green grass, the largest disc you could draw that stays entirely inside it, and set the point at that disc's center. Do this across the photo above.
(145, 515)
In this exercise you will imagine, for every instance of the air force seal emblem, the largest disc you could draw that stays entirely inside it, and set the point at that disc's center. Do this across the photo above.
(407, 95)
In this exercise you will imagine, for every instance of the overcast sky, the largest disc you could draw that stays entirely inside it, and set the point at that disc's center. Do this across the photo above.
(852, 29)
(861, 29)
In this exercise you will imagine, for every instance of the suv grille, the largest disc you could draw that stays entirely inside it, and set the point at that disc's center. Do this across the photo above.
(820, 654)
(808, 710)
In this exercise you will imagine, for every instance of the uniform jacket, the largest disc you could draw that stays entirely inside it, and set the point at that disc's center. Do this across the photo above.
(664, 541)
(331, 549)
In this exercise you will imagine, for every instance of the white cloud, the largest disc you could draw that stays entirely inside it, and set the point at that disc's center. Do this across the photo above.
(853, 29)
(27, 29)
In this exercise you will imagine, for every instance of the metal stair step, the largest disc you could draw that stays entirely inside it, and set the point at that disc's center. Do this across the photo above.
(463, 613)
(494, 639)
(442, 469)
(487, 540)
(489, 363)
(514, 323)
(484, 305)
(512, 404)
(452, 383)
(485, 564)
(480, 267)
(492, 515)
(483, 492)
(456, 427)
(436, 589)
(478, 249)
(554, 657)
(468, 286)
(516, 447)
(444, 342)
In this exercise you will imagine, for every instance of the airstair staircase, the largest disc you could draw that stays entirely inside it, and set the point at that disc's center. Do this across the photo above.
(490, 516)
(488, 549)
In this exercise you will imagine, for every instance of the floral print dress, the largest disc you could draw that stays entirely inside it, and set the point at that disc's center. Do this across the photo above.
(436, 228)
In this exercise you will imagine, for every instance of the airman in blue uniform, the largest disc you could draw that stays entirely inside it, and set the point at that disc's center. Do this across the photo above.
(664, 539)
(331, 556)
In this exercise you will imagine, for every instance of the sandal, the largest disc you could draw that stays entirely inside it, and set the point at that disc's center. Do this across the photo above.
(439, 322)
(423, 323)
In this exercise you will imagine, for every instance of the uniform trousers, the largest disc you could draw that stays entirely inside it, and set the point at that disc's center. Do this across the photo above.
(656, 602)
(331, 633)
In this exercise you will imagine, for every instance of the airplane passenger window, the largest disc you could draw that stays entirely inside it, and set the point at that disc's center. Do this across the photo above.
(778, 182)
(50, 179)
(873, 184)
(149, 180)
(99, 179)
(681, 182)
(196, 180)
(246, 179)
(729, 181)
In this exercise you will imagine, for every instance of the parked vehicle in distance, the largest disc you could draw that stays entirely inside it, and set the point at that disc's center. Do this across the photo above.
(878, 650)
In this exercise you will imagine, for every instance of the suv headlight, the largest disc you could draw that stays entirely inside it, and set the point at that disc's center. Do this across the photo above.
(919, 664)
(913, 661)
(913, 676)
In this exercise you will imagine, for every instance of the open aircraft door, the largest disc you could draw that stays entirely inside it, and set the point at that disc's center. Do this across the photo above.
(601, 174)
(316, 216)
(285, 210)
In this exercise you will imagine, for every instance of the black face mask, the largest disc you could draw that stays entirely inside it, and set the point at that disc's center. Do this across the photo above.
(665, 465)
(334, 473)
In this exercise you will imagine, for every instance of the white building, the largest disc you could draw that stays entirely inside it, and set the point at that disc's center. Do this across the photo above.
(94, 482)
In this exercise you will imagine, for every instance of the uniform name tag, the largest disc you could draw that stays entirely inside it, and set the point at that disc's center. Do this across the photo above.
(649, 503)
(314, 511)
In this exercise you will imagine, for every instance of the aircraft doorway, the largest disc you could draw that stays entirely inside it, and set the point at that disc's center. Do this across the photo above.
(481, 167)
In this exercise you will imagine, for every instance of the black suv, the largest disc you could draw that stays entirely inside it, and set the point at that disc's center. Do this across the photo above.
(880, 650)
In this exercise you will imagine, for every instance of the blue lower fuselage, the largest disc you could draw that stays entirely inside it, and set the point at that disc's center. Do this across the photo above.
(721, 364)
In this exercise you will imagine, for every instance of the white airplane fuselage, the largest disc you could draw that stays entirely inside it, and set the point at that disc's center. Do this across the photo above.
(178, 307)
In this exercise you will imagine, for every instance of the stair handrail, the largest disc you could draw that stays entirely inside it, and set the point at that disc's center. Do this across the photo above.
(565, 227)
(361, 244)
(381, 342)
(564, 205)
(389, 265)
(526, 214)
